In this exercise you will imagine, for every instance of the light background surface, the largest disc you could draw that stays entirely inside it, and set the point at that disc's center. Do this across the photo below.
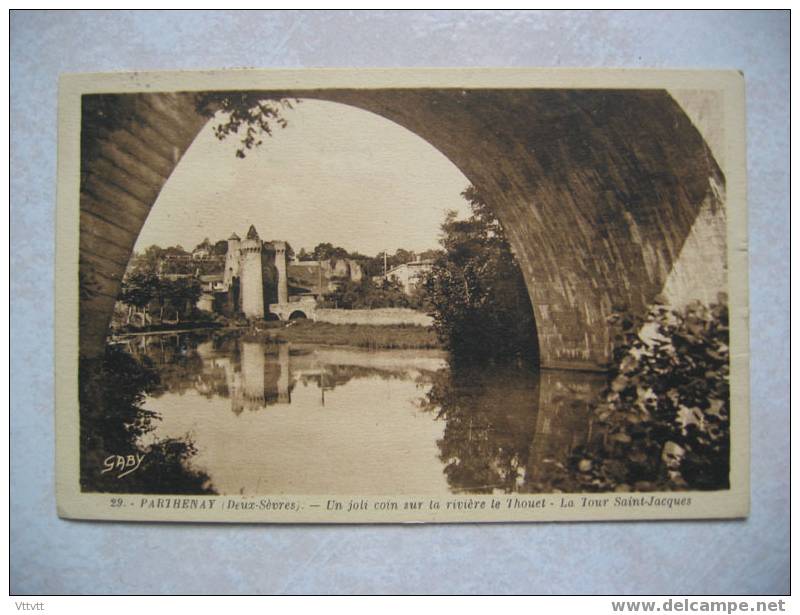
(50, 555)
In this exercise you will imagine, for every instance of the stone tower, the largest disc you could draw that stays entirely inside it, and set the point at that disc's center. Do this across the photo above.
(252, 278)
(232, 260)
(280, 265)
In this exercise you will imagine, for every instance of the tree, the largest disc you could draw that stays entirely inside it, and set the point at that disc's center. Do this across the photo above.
(182, 295)
(174, 251)
(141, 291)
(322, 251)
(350, 295)
(138, 291)
(221, 248)
(326, 251)
(478, 297)
(402, 256)
(111, 395)
(374, 266)
(148, 261)
(249, 115)
(357, 256)
(428, 255)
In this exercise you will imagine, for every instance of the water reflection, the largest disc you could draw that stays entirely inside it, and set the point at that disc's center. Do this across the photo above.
(507, 428)
(280, 418)
(275, 418)
(564, 423)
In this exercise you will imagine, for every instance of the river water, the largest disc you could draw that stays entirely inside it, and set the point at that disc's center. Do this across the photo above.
(269, 418)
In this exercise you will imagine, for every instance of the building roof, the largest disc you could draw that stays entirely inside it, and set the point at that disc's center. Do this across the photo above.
(421, 263)
(233, 237)
(252, 233)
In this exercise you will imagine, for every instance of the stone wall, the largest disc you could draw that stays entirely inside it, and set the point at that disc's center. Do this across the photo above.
(382, 316)
(598, 191)
(129, 147)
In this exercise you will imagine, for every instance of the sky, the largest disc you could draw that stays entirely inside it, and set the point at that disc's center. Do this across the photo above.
(335, 174)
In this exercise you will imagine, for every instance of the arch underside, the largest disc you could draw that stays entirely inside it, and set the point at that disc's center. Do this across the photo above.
(598, 190)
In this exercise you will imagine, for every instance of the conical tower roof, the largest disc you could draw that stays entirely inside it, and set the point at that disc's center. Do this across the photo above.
(252, 233)
(233, 237)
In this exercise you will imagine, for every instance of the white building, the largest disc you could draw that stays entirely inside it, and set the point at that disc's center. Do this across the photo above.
(410, 275)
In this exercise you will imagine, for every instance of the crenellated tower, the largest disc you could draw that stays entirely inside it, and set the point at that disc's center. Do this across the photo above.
(252, 278)
(280, 265)
(232, 263)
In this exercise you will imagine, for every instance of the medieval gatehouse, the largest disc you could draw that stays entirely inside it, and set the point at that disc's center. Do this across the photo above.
(258, 281)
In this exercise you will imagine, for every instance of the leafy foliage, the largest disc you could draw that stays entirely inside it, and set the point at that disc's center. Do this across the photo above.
(221, 247)
(155, 259)
(181, 295)
(364, 294)
(142, 291)
(326, 251)
(665, 413)
(251, 115)
(479, 300)
(118, 383)
(112, 420)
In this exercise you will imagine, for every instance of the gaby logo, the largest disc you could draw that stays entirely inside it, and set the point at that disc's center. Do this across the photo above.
(124, 464)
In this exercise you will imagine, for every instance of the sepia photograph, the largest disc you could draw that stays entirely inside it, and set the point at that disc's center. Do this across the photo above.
(349, 296)
(419, 302)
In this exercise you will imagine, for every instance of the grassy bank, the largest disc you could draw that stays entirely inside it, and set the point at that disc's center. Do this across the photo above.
(362, 336)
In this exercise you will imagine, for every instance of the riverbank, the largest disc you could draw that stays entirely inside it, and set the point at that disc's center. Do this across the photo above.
(168, 328)
(360, 336)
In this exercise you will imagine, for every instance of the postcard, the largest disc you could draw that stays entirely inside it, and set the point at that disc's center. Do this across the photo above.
(390, 296)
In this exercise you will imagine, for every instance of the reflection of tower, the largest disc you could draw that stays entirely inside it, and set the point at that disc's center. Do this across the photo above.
(253, 366)
(280, 265)
(234, 382)
(284, 395)
(252, 281)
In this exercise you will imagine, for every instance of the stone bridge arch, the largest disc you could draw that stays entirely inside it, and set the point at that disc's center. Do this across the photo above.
(597, 190)
(294, 309)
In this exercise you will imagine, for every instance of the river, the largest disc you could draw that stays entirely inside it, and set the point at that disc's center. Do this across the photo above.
(269, 418)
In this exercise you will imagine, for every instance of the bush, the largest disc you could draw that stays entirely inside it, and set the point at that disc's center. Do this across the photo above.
(364, 295)
(112, 390)
(665, 414)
